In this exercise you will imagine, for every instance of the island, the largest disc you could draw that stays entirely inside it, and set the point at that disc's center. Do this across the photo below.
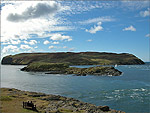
(60, 62)
(12, 102)
(71, 58)
(59, 68)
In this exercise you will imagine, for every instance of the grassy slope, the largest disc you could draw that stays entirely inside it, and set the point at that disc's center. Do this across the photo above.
(41, 66)
(82, 58)
(11, 102)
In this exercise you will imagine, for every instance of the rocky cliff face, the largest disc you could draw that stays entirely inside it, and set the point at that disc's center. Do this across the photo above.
(82, 58)
(7, 60)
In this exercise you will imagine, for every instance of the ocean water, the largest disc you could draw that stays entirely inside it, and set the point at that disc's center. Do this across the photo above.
(129, 92)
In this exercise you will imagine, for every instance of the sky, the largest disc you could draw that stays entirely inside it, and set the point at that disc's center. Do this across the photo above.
(75, 26)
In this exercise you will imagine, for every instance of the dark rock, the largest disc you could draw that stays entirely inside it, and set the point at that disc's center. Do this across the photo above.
(55, 72)
(7, 60)
(79, 75)
(52, 97)
(34, 94)
(10, 89)
(24, 69)
(37, 95)
(104, 108)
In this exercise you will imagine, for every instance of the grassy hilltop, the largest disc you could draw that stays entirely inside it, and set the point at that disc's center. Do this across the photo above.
(70, 58)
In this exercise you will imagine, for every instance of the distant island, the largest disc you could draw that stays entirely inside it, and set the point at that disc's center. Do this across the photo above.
(59, 63)
(70, 58)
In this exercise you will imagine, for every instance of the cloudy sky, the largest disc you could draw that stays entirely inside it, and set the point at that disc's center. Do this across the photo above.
(50, 26)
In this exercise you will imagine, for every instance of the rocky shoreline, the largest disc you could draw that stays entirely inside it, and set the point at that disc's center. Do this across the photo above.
(56, 68)
(46, 103)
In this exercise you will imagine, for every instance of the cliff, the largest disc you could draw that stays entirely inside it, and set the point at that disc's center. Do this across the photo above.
(81, 58)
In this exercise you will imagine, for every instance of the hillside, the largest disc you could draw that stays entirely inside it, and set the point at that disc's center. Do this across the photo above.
(81, 58)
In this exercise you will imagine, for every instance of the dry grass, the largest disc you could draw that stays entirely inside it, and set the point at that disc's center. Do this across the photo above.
(11, 102)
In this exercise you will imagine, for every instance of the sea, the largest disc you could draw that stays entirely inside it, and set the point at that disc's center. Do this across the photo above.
(129, 92)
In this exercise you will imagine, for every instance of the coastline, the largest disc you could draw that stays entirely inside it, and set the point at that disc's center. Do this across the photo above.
(46, 103)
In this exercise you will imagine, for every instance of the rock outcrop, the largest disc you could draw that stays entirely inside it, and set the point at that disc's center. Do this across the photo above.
(55, 68)
(98, 70)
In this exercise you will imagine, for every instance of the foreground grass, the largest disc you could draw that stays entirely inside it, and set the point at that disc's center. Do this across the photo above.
(11, 102)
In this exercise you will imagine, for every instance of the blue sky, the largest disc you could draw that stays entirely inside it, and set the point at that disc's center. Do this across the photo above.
(60, 26)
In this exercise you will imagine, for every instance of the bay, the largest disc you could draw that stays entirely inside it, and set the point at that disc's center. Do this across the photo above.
(129, 92)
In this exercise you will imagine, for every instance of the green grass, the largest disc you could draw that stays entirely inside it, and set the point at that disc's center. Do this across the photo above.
(5, 98)
(102, 61)
(41, 66)
(27, 111)
(62, 110)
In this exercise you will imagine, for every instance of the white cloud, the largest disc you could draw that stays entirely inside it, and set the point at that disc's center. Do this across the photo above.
(20, 19)
(55, 43)
(14, 42)
(26, 42)
(148, 35)
(61, 37)
(130, 28)
(145, 13)
(10, 48)
(35, 11)
(64, 47)
(46, 42)
(95, 28)
(51, 47)
(77, 7)
(99, 19)
(71, 49)
(90, 40)
(31, 42)
(25, 47)
(5, 43)
(134, 4)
